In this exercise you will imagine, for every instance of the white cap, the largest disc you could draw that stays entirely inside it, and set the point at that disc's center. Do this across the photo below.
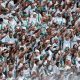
(12, 11)
(50, 2)
(34, 13)
(20, 65)
(56, 3)
(60, 51)
(24, 28)
(18, 27)
(44, 0)
(35, 4)
(37, 50)
(49, 45)
(47, 41)
(34, 35)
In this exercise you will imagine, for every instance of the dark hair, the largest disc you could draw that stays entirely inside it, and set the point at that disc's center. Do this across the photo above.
(47, 48)
(1, 20)
(15, 1)
(76, 48)
(27, 57)
(21, 49)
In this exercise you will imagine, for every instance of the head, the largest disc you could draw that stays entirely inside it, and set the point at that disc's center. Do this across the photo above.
(10, 74)
(75, 46)
(1, 20)
(1, 69)
(37, 52)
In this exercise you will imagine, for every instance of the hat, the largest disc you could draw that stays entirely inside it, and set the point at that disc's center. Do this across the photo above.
(49, 45)
(34, 13)
(18, 27)
(35, 58)
(56, 3)
(47, 41)
(34, 35)
(44, 0)
(35, 4)
(24, 28)
(12, 11)
(55, 38)
(60, 51)
(20, 65)
(37, 51)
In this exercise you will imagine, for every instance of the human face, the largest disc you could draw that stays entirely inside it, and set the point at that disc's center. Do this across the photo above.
(10, 74)
(75, 46)
(1, 69)
(0, 1)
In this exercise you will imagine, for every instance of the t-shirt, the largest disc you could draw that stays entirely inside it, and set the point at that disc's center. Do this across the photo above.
(10, 78)
(5, 39)
(20, 78)
(26, 72)
(25, 23)
(12, 24)
(1, 58)
(33, 21)
(60, 20)
(66, 43)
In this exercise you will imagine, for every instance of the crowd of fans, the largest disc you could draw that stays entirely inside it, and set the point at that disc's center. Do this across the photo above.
(39, 38)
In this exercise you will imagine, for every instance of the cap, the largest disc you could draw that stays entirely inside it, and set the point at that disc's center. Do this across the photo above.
(18, 27)
(47, 41)
(24, 28)
(37, 50)
(49, 45)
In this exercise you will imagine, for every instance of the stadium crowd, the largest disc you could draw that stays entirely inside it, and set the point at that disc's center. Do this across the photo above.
(39, 39)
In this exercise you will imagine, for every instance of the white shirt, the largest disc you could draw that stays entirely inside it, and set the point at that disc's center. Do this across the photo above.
(11, 4)
(43, 52)
(66, 44)
(74, 40)
(20, 78)
(77, 62)
(68, 57)
(10, 78)
(3, 76)
(2, 25)
(34, 69)
(33, 21)
(12, 24)
(6, 39)
(56, 69)
(50, 55)
(59, 20)
(5, 21)
(26, 72)
(77, 22)
(27, 9)
(3, 4)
